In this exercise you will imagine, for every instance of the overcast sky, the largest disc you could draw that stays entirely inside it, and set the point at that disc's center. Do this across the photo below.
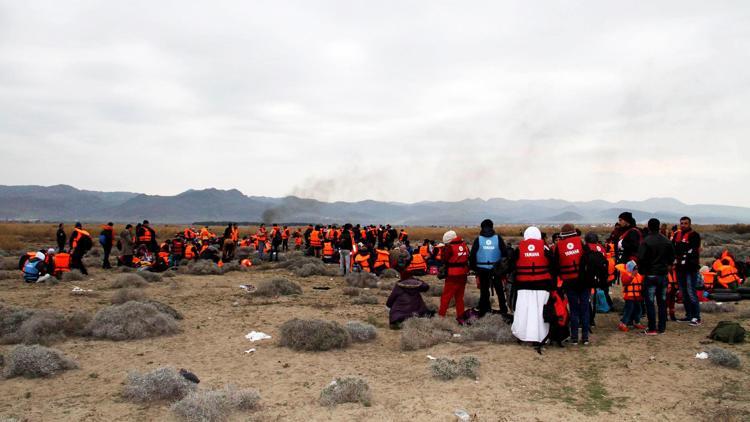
(388, 100)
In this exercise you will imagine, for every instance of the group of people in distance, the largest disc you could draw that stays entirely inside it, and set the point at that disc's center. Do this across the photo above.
(548, 289)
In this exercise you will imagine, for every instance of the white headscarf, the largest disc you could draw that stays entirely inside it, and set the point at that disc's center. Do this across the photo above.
(449, 236)
(532, 233)
(40, 256)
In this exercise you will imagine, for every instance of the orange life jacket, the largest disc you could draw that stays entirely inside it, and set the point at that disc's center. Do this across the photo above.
(457, 263)
(262, 234)
(631, 285)
(81, 233)
(403, 234)
(611, 267)
(315, 241)
(145, 236)
(424, 251)
(327, 250)
(561, 309)
(417, 263)
(569, 251)
(205, 234)
(189, 234)
(298, 241)
(164, 256)
(726, 274)
(439, 253)
(383, 259)
(363, 261)
(62, 264)
(532, 264)
(708, 280)
(235, 236)
(285, 234)
(111, 232)
(190, 251)
(246, 263)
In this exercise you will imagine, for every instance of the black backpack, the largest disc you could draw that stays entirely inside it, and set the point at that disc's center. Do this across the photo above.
(596, 269)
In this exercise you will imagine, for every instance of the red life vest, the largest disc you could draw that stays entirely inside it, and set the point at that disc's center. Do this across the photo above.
(383, 259)
(190, 251)
(363, 261)
(328, 250)
(315, 239)
(561, 309)
(177, 247)
(458, 261)
(62, 264)
(532, 264)
(569, 251)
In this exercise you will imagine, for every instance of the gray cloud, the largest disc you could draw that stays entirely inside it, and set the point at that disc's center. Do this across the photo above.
(404, 101)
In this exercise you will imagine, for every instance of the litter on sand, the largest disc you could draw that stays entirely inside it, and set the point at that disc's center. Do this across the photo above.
(462, 415)
(431, 357)
(247, 287)
(701, 355)
(79, 291)
(257, 336)
(321, 288)
(248, 351)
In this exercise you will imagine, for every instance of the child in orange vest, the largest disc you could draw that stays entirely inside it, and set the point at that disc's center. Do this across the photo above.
(631, 294)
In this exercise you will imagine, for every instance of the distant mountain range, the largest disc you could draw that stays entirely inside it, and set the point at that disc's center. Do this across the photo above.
(66, 203)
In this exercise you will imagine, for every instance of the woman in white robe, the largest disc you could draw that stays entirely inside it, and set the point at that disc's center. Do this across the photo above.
(528, 321)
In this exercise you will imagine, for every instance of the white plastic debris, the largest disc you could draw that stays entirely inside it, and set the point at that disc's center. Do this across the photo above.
(462, 415)
(701, 355)
(456, 335)
(248, 351)
(247, 287)
(257, 336)
(79, 291)
(431, 357)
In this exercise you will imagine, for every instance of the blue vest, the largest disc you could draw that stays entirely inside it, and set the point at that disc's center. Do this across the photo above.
(489, 252)
(30, 271)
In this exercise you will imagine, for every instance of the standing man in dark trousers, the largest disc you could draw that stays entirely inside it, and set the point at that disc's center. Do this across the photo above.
(80, 243)
(61, 238)
(687, 245)
(655, 258)
(487, 254)
(107, 239)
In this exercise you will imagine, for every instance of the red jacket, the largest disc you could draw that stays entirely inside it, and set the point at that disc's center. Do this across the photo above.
(447, 257)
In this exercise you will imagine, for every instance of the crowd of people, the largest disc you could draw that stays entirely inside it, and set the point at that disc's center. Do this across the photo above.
(550, 289)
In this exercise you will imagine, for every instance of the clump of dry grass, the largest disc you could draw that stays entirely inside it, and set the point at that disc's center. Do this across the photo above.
(126, 295)
(41, 327)
(36, 362)
(278, 286)
(201, 267)
(386, 284)
(436, 289)
(244, 252)
(351, 291)
(149, 276)
(311, 269)
(362, 280)
(361, 332)
(214, 405)
(234, 266)
(490, 328)
(715, 308)
(131, 320)
(163, 308)
(365, 299)
(313, 335)
(448, 369)
(723, 357)
(72, 275)
(163, 383)
(346, 390)
(128, 280)
(390, 273)
(420, 333)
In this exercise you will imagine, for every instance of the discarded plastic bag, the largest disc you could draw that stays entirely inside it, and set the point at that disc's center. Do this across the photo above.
(257, 336)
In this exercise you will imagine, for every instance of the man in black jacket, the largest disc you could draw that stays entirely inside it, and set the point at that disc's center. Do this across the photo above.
(61, 238)
(687, 245)
(655, 258)
(627, 238)
(490, 246)
(345, 245)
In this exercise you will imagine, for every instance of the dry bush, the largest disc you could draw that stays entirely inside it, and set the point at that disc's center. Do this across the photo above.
(163, 383)
(365, 299)
(317, 268)
(124, 269)
(76, 324)
(127, 281)
(169, 274)
(723, 357)
(214, 405)
(362, 280)
(361, 332)
(163, 308)
(41, 327)
(131, 320)
(390, 273)
(9, 264)
(94, 252)
(72, 275)
(490, 328)
(126, 295)
(351, 291)
(448, 369)
(744, 314)
(149, 276)
(715, 308)
(386, 284)
(278, 286)
(234, 266)
(346, 390)
(436, 289)
(244, 252)
(296, 260)
(201, 267)
(313, 335)
(420, 333)
(36, 362)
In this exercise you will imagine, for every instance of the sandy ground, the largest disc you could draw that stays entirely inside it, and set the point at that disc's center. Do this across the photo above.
(620, 376)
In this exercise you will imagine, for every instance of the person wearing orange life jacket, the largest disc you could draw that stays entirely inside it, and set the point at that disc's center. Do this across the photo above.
(205, 234)
(328, 252)
(533, 283)
(80, 243)
(275, 240)
(177, 251)
(262, 237)
(285, 235)
(189, 233)
(487, 256)
(107, 240)
(362, 260)
(145, 235)
(191, 252)
(632, 294)
(316, 241)
(426, 250)
(382, 261)
(687, 246)
(726, 272)
(403, 236)
(456, 260)
(418, 265)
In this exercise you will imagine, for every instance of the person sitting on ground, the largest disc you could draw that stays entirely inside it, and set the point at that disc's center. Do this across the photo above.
(405, 300)
(35, 270)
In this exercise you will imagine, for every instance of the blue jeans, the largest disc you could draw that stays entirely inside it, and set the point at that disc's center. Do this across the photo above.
(580, 306)
(687, 282)
(631, 312)
(655, 287)
(345, 261)
(261, 248)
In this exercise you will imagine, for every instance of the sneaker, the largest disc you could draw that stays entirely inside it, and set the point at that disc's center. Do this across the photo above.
(686, 319)
(586, 342)
(639, 326)
(672, 318)
(622, 327)
(695, 322)
(574, 342)
(651, 332)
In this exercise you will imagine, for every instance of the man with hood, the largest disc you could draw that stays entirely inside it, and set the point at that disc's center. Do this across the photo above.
(533, 284)
(486, 258)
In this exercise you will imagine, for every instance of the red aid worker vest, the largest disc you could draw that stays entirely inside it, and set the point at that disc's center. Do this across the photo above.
(595, 247)
(532, 264)
(459, 257)
(569, 250)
